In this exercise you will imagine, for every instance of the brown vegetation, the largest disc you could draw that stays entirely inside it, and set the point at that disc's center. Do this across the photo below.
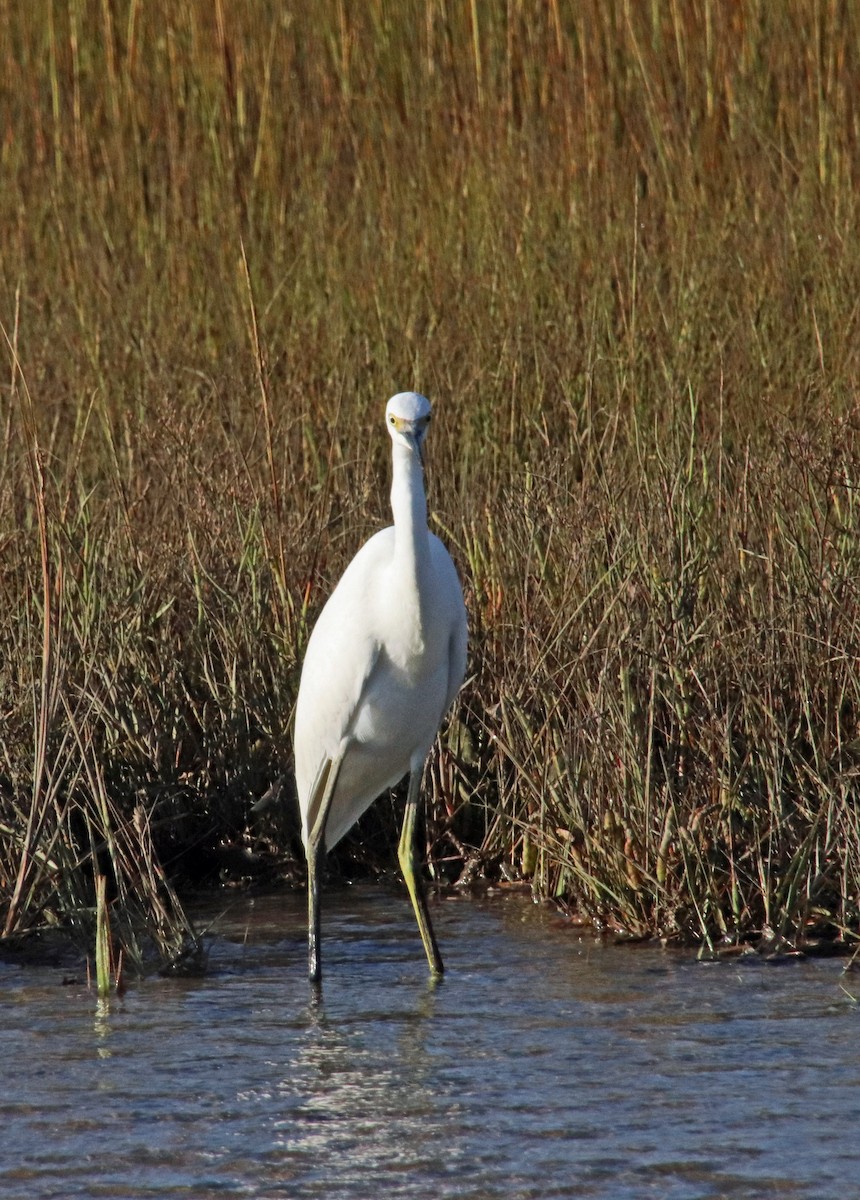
(616, 244)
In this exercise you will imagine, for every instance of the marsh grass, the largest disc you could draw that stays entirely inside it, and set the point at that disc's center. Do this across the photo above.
(676, 734)
(617, 244)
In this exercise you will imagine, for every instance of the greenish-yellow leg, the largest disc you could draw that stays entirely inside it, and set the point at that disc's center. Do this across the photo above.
(406, 856)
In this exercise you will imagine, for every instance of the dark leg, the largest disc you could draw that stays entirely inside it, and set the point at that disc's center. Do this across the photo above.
(406, 855)
(315, 856)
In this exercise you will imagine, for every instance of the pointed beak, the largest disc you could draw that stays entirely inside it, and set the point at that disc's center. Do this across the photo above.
(413, 434)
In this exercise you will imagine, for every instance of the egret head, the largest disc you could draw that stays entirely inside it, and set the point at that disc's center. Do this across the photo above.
(407, 416)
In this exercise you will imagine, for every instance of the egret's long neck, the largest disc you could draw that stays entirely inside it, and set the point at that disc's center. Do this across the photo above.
(409, 507)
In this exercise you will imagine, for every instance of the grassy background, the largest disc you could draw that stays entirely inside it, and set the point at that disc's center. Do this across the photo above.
(616, 244)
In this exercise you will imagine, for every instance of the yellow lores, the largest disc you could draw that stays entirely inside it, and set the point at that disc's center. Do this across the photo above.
(383, 665)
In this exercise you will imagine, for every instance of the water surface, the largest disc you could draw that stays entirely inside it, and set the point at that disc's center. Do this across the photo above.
(545, 1065)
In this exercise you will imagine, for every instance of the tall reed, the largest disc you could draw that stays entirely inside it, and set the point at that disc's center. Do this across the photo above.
(615, 243)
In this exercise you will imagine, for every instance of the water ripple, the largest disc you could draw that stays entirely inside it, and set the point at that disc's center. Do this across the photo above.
(544, 1066)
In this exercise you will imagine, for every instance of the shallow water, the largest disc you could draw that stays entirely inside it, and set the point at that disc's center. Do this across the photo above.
(543, 1066)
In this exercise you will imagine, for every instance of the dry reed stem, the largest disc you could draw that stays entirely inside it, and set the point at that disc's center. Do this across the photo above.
(615, 243)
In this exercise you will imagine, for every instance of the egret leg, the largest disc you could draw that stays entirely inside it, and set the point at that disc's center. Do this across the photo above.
(315, 855)
(406, 856)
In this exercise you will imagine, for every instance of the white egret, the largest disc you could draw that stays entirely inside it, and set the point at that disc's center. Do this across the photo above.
(383, 664)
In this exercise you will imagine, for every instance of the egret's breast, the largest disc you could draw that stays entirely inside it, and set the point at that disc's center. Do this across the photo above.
(401, 708)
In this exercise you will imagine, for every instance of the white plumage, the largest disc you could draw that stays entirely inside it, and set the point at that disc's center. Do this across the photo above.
(383, 664)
